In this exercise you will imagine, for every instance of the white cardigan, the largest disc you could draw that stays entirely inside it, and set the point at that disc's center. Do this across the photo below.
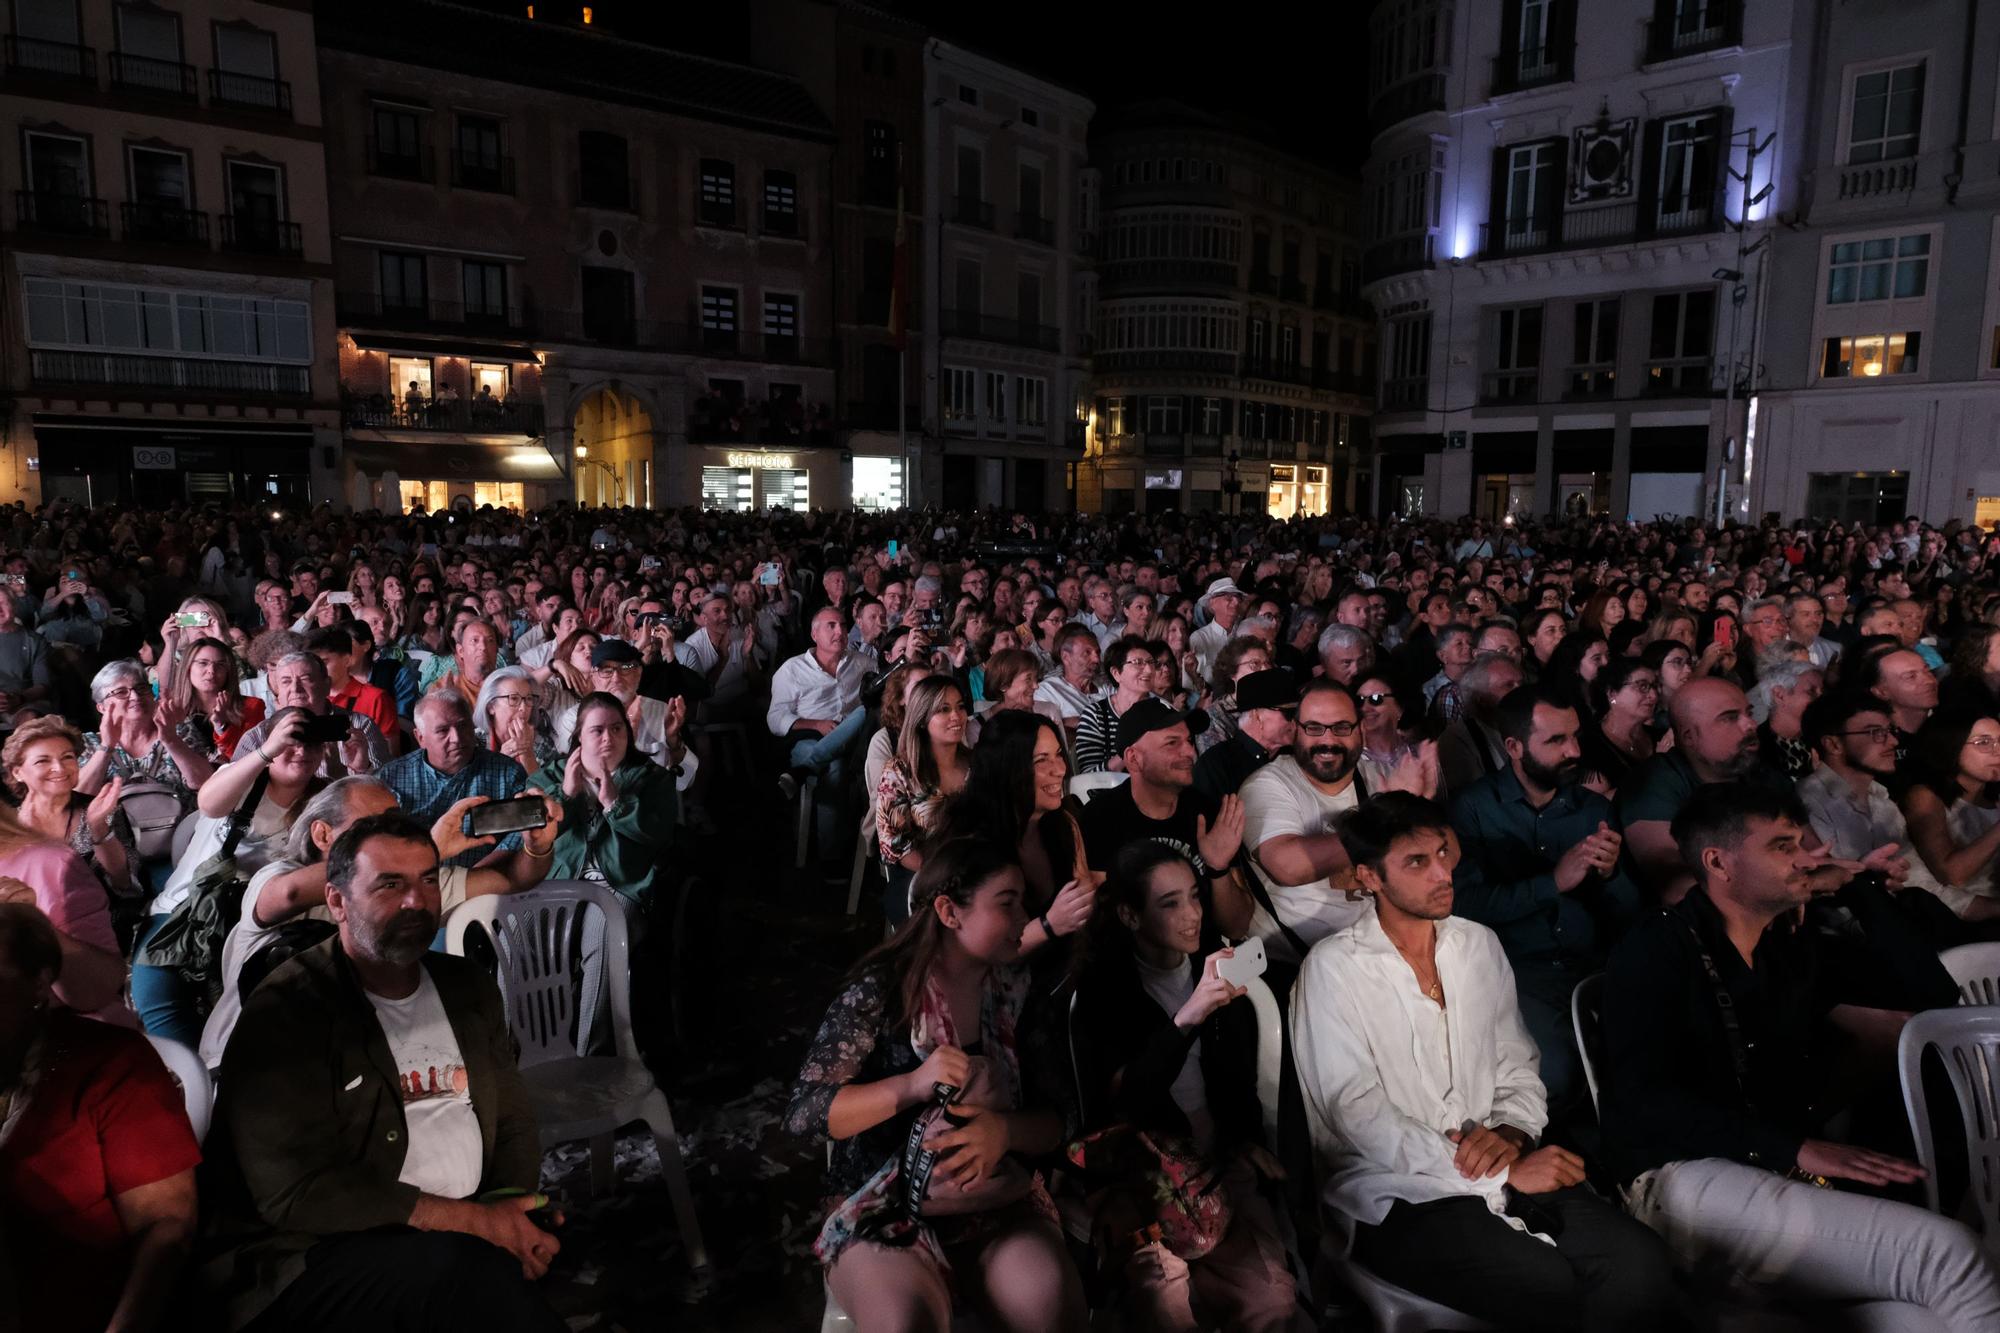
(1381, 1090)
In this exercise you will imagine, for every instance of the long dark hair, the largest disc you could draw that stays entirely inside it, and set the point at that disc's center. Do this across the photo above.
(1935, 751)
(952, 869)
(1108, 941)
(1564, 673)
(998, 799)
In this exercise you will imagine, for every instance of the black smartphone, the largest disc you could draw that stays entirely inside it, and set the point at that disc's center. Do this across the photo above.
(497, 817)
(326, 729)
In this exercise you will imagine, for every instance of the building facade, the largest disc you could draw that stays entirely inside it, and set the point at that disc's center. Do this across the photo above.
(1880, 355)
(1233, 352)
(1561, 196)
(1009, 209)
(169, 315)
(572, 266)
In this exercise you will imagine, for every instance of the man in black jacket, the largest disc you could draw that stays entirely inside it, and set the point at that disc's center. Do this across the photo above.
(1713, 1017)
(375, 1160)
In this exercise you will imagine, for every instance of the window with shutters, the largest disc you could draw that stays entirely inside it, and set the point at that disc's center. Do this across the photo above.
(717, 200)
(396, 145)
(1031, 400)
(718, 319)
(403, 284)
(781, 203)
(484, 284)
(993, 396)
(1885, 113)
(1530, 186)
(961, 403)
(1680, 342)
(1406, 369)
(1593, 368)
(1537, 44)
(1516, 357)
(781, 326)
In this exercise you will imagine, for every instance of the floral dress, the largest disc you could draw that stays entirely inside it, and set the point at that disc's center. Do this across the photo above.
(905, 811)
(156, 765)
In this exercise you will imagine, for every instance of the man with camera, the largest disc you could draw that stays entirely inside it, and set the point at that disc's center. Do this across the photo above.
(450, 765)
(300, 680)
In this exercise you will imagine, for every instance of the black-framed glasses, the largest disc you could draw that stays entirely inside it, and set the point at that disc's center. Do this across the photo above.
(1340, 730)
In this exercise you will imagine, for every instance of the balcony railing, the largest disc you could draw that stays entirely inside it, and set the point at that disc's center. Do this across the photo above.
(1409, 393)
(399, 161)
(154, 220)
(783, 224)
(607, 189)
(1591, 384)
(463, 416)
(1411, 97)
(164, 78)
(261, 236)
(1398, 254)
(473, 170)
(31, 57)
(185, 373)
(971, 212)
(370, 310)
(1276, 371)
(1610, 224)
(1155, 272)
(1688, 376)
(1701, 25)
(251, 91)
(66, 214)
(1166, 358)
(1034, 227)
(1510, 386)
(1877, 179)
(1532, 67)
(1000, 329)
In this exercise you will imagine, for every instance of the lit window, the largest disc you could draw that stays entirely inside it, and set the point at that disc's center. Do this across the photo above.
(1870, 355)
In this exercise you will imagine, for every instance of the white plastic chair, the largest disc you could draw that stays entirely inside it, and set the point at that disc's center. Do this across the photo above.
(184, 834)
(1975, 968)
(1394, 1310)
(535, 935)
(1586, 1016)
(1084, 786)
(864, 852)
(1967, 1040)
(197, 1088)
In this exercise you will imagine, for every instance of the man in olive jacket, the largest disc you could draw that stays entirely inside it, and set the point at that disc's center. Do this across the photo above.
(369, 1110)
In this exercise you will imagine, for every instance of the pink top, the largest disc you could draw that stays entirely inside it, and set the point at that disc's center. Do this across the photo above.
(74, 901)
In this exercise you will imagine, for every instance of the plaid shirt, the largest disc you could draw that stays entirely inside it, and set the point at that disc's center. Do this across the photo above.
(425, 793)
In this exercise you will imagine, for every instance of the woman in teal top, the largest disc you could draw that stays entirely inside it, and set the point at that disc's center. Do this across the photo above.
(621, 811)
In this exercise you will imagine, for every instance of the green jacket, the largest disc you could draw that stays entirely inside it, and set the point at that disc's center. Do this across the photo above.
(631, 840)
(308, 1136)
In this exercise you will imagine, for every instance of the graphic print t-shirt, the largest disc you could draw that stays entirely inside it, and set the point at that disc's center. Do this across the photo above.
(443, 1155)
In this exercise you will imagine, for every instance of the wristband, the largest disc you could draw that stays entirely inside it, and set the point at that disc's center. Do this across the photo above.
(1047, 929)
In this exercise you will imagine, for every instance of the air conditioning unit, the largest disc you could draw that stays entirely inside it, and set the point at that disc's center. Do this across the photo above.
(1600, 164)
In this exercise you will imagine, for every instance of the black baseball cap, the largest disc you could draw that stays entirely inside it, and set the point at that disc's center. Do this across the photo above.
(1149, 715)
(614, 652)
(1273, 688)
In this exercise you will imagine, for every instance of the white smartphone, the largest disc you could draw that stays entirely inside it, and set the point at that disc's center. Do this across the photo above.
(339, 598)
(1245, 964)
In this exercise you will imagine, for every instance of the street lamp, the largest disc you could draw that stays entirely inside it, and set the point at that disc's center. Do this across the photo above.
(583, 459)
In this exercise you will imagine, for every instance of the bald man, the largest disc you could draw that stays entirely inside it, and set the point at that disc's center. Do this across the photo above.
(1715, 740)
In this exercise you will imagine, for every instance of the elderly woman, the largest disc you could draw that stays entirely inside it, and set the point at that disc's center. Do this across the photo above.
(509, 718)
(1778, 703)
(1237, 658)
(98, 1161)
(40, 765)
(139, 738)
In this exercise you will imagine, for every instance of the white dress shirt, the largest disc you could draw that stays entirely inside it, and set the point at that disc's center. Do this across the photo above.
(1067, 699)
(802, 688)
(1205, 643)
(1851, 828)
(1386, 1075)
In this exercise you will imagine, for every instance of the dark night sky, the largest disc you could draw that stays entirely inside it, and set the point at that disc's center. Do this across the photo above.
(1305, 80)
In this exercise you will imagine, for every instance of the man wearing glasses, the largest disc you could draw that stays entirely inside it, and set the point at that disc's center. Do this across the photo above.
(615, 668)
(1291, 808)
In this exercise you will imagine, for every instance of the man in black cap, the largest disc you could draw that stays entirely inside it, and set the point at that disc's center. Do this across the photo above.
(1265, 704)
(1159, 802)
(615, 667)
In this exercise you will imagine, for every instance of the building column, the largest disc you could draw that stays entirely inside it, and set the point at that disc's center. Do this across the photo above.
(1621, 464)
(1545, 468)
(1454, 497)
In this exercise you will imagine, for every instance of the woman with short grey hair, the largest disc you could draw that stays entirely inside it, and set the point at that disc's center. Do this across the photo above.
(508, 717)
(138, 737)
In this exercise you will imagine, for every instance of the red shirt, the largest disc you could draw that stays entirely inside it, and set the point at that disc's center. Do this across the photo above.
(371, 701)
(253, 713)
(105, 1119)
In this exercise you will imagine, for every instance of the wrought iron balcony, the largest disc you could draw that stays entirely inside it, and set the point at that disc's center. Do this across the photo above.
(249, 234)
(183, 373)
(163, 78)
(33, 58)
(249, 91)
(160, 220)
(65, 214)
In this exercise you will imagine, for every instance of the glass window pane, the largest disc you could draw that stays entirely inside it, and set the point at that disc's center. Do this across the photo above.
(1840, 285)
(121, 319)
(157, 312)
(1911, 276)
(1847, 252)
(1874, 282)
(1914, 245)
(1880, 247)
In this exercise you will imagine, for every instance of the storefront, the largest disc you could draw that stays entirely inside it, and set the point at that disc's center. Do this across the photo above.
(755, 480)
(106, 460)
(1296, 490)
(877, 484)
(438, 475)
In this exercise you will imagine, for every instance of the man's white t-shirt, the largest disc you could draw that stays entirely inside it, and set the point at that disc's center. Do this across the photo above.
(1279, 800)
(443, 1154)
(246, 937)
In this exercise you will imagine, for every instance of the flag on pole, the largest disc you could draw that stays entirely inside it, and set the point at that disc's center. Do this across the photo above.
(899, 280)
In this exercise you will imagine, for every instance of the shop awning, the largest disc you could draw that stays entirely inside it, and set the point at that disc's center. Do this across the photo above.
(76, 443)
(420, 344)
(443, 462)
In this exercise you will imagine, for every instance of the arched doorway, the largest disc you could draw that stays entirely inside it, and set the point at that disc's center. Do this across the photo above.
(612, 438)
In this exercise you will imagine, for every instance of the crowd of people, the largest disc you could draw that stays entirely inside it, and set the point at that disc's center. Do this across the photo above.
(1420, 780)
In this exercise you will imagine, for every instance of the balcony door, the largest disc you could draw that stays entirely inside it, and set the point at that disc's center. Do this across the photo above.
(256, 195)
(1688, 150)
(58, 165)
(1529, 191)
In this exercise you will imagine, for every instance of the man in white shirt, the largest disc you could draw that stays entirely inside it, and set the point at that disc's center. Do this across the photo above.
(1100, 599)
(726, 660)
(816, 702)
(549, 603)
(1421, 1092)
(656, 724)
(1224, 603)
(1073, 688)
(1291, 807)
(1852, 811)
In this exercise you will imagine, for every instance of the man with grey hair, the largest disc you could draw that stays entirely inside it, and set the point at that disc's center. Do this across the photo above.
(298, 679)
(1100, 614)
(1455, 654)
(1471, 747)
(1805, 615)
(1260, 627)
(293, 887)
(449, 765)
(1763, 625)
(1344, 653)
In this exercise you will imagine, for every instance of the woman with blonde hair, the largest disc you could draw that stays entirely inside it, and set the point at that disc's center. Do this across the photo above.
(931, 763)
(39, 763)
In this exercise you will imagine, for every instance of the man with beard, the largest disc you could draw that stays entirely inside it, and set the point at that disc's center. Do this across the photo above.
(374, 1159)
(1715, 740)
(1423, 1102)
(1715, 1074)
(1540, 866)
(1160, 802)
(1291, 807)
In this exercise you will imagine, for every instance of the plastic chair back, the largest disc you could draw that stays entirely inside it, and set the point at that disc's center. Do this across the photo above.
(537, 936)
(184, 834)
(197, 1089)
(1586, 1015)
(1270, 1052)
(1975, 969)
(1086, 785)
(1967, 1039)
(1075, 1065)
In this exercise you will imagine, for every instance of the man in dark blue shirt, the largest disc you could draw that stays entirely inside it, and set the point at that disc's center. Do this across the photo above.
(1539, 864)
